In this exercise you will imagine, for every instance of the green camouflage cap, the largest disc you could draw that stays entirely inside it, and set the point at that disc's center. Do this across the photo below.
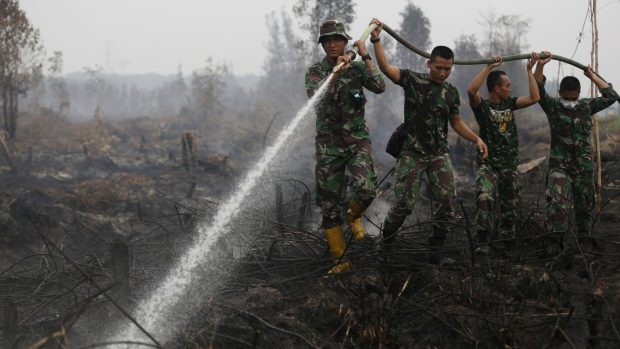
(333, 27)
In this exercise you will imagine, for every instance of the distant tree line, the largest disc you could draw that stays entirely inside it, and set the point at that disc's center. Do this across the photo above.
(20, 54)
(211, 92)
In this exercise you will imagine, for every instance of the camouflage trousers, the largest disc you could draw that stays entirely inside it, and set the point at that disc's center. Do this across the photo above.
(409, 171)
(503, 182)
(566, 190)
(331, 162)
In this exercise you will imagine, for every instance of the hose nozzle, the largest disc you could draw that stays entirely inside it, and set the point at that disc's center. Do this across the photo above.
(353, 52)
(350, 53)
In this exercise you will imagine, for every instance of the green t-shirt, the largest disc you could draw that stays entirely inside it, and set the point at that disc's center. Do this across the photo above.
(498, 129)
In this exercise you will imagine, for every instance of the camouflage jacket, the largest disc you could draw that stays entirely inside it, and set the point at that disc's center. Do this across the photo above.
(418, 87)
(498, 129)
(570, 128)
(340, 113)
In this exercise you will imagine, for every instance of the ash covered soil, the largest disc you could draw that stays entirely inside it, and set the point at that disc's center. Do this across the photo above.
(74, 190)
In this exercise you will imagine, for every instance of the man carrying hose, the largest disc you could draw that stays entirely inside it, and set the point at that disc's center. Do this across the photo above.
(498, 129)
(342, 139)
(570, 177)
(430, 102)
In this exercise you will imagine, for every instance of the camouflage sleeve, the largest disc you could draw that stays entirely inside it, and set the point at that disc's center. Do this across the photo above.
(545, 102)
(456, 101)
(312, 82)
(608, 97)
(406, 78)
(372, 79)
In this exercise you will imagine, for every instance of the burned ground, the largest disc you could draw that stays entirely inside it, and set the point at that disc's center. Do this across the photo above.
(76, 190)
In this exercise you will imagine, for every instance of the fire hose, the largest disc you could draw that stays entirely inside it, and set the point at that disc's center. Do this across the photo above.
(353, 52)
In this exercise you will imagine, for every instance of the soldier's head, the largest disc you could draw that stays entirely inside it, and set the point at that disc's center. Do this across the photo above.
(440, 64)
(498, 84)
(570, 87)
(333, 38)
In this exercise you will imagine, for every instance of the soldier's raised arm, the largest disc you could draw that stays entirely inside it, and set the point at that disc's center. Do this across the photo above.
(545, 100)
(476, 83)
(526, 101)
(392, 72)
(608, 94)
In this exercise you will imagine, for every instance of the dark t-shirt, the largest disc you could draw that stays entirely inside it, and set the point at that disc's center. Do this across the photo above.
(498, 129)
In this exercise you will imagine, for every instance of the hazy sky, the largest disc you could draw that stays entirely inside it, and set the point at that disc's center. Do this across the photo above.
(142, 36)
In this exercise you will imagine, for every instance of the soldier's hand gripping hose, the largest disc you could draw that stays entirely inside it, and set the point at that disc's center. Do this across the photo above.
(353, 52)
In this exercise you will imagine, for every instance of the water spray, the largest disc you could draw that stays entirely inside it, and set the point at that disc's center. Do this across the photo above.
(353, 52)
(164, 310)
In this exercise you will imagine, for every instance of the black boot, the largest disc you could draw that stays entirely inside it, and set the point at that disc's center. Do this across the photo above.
(483, 239)
(586, 240)
(553, 243)
(435, 243)
(388, 233)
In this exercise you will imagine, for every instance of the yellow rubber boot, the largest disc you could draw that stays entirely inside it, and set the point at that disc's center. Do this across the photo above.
(354, 218)
(335, 241)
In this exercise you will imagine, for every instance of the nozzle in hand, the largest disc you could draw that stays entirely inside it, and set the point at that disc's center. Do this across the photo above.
(343, 61)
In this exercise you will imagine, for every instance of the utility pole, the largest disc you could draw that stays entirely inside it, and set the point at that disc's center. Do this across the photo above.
(594, 94)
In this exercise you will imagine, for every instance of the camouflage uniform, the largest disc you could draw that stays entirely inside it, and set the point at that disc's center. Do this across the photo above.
(342, 139)
(498, 172)
(429, 154)
(570, 178)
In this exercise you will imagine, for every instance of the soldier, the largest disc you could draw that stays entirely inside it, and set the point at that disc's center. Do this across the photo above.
(498, 129)
(570, 177)
(435, 102)
(342, 139)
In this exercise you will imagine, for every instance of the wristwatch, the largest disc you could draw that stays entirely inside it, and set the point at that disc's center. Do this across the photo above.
(375, 40)
(366, 56)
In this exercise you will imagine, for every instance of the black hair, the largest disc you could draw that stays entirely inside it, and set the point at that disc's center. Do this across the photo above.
(443, 52)
(570, 83)
(494, 79)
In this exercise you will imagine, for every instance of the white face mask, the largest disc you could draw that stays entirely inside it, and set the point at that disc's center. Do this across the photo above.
(568, 104)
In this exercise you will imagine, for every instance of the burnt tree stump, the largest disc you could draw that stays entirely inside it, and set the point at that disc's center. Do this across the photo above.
(9, 325)
(188, 147)
(303, 210)
(279, 204)
(120, 269)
